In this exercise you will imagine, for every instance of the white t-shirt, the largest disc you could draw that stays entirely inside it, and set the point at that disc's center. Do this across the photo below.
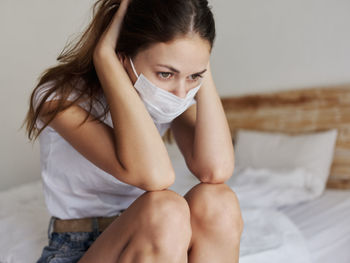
(73, 186)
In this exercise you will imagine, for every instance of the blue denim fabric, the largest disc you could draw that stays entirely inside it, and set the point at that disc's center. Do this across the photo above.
(67, 247)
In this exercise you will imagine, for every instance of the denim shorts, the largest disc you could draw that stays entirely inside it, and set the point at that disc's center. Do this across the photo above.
(68, 247)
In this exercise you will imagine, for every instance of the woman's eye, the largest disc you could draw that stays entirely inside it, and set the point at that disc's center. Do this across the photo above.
(164, 75)
(196, 77)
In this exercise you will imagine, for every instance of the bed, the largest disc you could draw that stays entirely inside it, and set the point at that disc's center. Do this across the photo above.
(283, 221)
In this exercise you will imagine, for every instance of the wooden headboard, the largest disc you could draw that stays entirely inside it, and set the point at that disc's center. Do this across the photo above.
(299, 111)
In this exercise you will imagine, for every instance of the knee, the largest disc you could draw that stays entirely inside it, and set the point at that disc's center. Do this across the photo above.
(166, 219)
(215, 207)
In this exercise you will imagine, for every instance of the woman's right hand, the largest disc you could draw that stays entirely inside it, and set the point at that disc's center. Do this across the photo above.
(110, 36)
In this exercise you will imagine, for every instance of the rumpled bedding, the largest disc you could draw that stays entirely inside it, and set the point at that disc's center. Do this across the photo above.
(272, 188)
(23, 223)
(268, 235)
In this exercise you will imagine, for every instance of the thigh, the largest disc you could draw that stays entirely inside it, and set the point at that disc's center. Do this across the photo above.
(112, 241)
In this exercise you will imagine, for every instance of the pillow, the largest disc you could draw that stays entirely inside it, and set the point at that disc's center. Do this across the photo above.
(266, 188)
(281, 152)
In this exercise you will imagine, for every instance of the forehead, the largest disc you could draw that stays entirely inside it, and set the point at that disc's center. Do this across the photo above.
(188, 54)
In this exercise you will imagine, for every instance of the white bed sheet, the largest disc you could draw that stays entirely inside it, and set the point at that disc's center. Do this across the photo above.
(24, 219)
(270, 234)
(325, 224)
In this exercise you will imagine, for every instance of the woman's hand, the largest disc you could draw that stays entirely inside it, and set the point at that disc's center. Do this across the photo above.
(110, 36)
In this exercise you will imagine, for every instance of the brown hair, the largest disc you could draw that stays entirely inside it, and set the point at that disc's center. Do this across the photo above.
(146, 22)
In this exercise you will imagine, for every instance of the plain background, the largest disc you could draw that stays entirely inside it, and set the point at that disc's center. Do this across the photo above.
(261, 46)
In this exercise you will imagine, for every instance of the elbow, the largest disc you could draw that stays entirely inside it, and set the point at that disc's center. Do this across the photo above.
(147, 181)
(151, 178)
(216, 175)
(215, 171)
(157, 181)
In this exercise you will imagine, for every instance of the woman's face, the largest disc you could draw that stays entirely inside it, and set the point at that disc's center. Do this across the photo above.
(175, 66)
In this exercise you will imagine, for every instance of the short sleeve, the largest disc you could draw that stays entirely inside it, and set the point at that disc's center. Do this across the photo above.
(39, 95)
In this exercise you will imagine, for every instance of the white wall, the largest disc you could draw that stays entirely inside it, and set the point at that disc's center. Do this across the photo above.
(33, 33)
(271, 45)
(261, 46)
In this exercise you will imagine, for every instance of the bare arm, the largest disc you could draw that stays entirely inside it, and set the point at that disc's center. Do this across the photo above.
(138, 144)
(203, 136)
(132, 151)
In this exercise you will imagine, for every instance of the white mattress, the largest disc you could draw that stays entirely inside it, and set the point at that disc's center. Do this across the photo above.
(24, 219)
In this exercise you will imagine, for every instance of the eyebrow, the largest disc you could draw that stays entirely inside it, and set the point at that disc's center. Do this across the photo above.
(177, 71)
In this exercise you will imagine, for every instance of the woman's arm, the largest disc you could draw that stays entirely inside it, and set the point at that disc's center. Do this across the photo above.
(203, 136)
(139, 146)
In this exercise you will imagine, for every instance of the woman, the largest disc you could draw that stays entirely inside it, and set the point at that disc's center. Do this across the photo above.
(147, 62)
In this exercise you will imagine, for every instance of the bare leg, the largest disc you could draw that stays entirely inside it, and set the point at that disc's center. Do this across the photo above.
(216, 223)
(154, 228)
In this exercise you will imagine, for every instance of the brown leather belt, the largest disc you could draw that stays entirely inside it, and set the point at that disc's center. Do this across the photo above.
(81, 224)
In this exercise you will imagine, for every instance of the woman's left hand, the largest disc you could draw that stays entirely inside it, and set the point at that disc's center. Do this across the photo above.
(110, 36)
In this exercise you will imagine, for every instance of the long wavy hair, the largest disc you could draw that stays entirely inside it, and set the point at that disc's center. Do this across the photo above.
(146, 22)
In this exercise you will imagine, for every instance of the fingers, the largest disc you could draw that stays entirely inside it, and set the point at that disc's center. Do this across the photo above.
(110, 37)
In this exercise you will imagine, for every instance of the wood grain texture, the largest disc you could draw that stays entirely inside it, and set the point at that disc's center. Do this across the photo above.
(299, 111)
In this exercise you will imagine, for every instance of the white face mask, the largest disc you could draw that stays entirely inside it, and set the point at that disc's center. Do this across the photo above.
(162, 105)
